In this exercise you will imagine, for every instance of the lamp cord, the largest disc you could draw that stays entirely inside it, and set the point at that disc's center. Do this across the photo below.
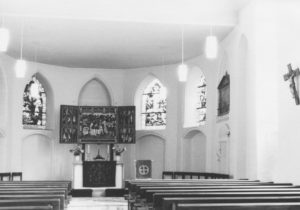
(22, 31)
(182, 44)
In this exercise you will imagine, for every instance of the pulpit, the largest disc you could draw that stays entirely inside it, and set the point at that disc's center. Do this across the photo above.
(99, 173)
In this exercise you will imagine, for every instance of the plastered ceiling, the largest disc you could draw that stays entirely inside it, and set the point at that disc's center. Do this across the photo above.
(116, 33)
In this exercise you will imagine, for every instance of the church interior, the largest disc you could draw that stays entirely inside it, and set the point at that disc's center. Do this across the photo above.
(183, 86)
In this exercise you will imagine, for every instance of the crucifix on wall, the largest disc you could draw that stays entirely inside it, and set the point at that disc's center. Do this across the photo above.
(291, 76)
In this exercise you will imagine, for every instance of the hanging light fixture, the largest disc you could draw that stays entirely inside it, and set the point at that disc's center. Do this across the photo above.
(21, 64)
(4, 37)
(182, 69)
(211, 46)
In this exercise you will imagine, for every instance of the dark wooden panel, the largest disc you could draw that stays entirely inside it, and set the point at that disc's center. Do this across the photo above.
(99, 173)
(98, 124)
(68, 124)
(126, 124)
(224, 95)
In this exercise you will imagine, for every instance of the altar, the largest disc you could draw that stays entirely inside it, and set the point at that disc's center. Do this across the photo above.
(97, 131)
(95, 174)
(99, 173)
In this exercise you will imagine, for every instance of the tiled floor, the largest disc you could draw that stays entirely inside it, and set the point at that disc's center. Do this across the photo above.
(98, 203)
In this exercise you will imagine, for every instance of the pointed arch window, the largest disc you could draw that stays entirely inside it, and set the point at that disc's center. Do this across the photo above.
(201, 100)
(34, 105)
(154, 106)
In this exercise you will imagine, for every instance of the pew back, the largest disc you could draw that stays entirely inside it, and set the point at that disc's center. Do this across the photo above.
(240, 206)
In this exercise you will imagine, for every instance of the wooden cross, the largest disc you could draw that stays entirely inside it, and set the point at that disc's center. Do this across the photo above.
(291, 76)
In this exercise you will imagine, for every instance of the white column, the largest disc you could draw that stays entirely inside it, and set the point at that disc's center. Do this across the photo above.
(77, 174)
(119, 175)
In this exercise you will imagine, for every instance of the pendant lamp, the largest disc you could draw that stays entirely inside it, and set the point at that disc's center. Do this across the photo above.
(211, 46)
(4, 39)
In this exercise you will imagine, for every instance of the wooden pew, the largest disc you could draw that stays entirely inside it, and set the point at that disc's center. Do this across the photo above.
(134, 187)
(67, 184)
(137, 189)
(64, 185)
(172, 203)
(240, 206)
(148, 195)
(199, 175)
(61, 197)
(55, 203)
(207, 188)
(128, 183)
(26, 208)
(159, 197)
(39, 191)
(34, 192)
(24, 190)
(141, 190)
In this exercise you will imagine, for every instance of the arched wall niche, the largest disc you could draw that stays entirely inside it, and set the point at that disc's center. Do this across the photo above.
(95, 93)
(37, 157)
(49, 99)
(152, 147)
(138, 97)
(223, 149)
(142, 134)
(192, 115)
(194, 151)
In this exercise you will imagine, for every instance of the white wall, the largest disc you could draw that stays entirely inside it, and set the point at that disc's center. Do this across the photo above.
(151, 147)
(194, 151)
(288, 30)
(36, 155)
(263, 116)
(77, 86)
(66, 85)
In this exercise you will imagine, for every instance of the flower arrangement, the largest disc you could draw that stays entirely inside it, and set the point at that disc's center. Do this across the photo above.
(77, 150)
(119, 150)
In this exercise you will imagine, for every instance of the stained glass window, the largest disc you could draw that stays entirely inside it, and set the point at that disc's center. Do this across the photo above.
(154, 112)
(34, 105)
(201, 104)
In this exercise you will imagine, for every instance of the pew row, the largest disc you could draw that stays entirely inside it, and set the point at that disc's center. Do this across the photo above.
(42, 194)
(172, 203)
(67, 184)
(27, 208)
(155, 194)
(55, 203)
(30, 197)
(241, 206)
